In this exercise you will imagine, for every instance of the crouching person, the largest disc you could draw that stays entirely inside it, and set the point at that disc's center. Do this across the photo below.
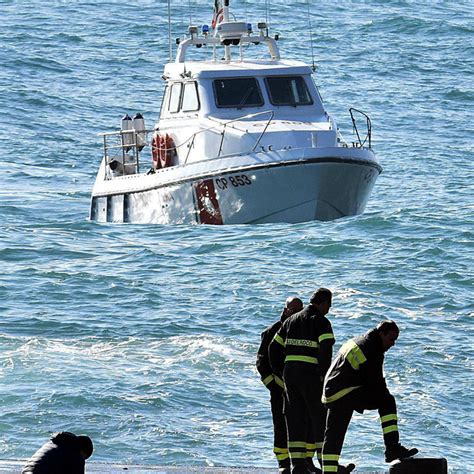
(63, 453)
(355, 381)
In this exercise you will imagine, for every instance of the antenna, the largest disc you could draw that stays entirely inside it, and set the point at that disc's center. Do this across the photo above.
(226, 19)
(226, 10)
(266, 12)
(169, 31)
(190, 13)
(313, 66)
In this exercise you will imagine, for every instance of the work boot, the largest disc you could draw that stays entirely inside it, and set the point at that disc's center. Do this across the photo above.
(284, 467)
(345, 469)
(300, 468)
(311, 467)
(397, 451)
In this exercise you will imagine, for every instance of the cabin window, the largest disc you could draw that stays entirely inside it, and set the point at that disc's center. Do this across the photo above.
(175, 95)
(237, 92)
(288, 91)
(190, 97)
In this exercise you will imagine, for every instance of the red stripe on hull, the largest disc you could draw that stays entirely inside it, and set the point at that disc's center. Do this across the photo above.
(208, 205)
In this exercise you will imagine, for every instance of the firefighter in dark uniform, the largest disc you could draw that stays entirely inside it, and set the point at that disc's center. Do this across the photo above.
(301, 353)
(275, 384)
(355, 381)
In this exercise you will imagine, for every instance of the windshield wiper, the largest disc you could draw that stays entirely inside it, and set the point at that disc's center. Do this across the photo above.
(245, 98)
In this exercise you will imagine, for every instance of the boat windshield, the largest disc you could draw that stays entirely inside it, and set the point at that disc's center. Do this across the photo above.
(237, 92)
(289, 90)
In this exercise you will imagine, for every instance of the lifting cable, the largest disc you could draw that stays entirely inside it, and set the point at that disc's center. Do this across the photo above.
(313, 65)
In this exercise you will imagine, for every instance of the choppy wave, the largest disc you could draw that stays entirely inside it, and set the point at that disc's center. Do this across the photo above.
(145, 336)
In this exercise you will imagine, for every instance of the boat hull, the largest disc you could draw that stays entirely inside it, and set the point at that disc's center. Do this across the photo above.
(258, 191)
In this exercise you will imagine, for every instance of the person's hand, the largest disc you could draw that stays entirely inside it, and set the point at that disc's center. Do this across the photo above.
(276, 384)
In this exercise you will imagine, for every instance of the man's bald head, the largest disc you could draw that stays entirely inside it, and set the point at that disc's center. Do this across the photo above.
(293, 304)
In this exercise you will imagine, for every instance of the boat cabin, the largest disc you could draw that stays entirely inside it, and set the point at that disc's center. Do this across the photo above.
(243, 100)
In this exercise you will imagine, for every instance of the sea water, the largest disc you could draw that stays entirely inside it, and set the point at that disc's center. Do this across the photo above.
(144, 337)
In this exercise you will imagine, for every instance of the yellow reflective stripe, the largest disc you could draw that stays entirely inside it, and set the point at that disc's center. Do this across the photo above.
(359, 355)
(282, 457)
(346, 347)
(279, 450)
(296, 444)
(331, 457)
(296, 358)
(323, 337)
(279, 339)
(330, 468)
(267, 380)
(339, 394)
(310, 445)
(319, 445)
(302, 342)
(297, 455)
(279, 381)
(392, 417)
(353, 354)
(352, 360)
(390, 428)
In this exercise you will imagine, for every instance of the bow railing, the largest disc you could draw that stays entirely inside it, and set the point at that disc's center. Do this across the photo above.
(368, 137)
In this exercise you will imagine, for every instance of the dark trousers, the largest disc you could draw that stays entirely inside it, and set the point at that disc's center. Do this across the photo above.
(339, 416)
(280, 440)
(305, 418)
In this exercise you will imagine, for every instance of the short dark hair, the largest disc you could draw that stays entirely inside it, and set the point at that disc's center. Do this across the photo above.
(387, 326)
(320, 296)
(294, 303)
(85, 445)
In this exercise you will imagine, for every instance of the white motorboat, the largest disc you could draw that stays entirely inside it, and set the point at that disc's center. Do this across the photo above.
(238, 141)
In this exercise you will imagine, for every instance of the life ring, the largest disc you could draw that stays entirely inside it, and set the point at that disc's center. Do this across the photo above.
(163, 150)
(155, 152)
(167, 151)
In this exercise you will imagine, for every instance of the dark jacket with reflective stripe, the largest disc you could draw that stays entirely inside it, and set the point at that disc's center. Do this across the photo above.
(359, 363)
(60, 455)
(263, 361)
(296, 346)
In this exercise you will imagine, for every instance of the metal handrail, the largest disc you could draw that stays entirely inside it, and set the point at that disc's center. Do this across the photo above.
(355, 129)
(272, 114)
(256, 114)
(125, 147)
(134, 146)
(224, 125)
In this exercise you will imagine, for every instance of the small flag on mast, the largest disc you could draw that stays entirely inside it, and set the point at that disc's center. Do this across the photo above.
(218, 13)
